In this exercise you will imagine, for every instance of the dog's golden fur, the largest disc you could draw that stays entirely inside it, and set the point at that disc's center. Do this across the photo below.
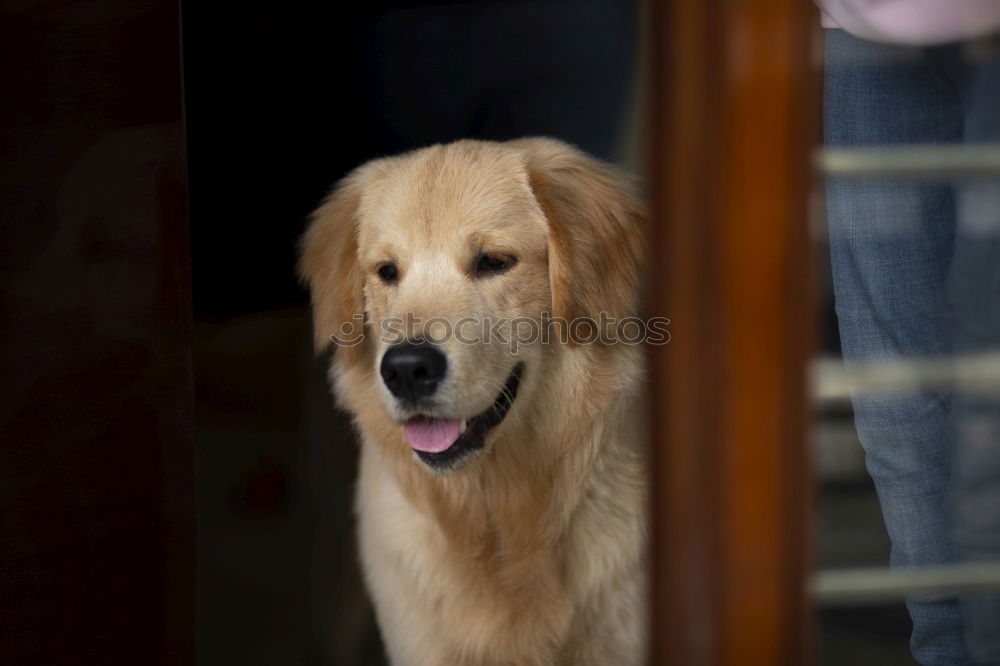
(534, 551)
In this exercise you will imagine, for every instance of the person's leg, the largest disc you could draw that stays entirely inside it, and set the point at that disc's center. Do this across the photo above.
(413, 66)
(498, 71)
(891, 245)
(562, 68)
(974, 295)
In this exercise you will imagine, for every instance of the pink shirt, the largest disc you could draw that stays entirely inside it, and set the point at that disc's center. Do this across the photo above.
(913, 21)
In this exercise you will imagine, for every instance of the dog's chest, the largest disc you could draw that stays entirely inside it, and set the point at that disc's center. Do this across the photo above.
(482, 601)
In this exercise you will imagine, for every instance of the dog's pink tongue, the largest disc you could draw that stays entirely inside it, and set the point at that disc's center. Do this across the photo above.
(430, 435)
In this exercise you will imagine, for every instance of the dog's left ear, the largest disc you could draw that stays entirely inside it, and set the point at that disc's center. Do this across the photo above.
(596, 230)
(329, 266)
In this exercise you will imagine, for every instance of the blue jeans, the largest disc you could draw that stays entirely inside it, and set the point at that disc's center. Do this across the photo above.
(916, 273)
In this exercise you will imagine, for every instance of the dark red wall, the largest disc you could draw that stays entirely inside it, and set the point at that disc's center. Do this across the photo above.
(96, 429)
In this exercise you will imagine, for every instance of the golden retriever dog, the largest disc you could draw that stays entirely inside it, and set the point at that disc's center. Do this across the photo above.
(502, 487)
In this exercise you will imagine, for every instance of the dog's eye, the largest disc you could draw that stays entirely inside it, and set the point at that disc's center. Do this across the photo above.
(489, 263)
(388, 272)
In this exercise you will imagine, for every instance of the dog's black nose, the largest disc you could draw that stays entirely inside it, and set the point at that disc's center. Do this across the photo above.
(413, 370)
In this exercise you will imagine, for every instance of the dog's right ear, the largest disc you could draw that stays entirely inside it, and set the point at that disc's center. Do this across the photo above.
(328, 265)
(596, 230)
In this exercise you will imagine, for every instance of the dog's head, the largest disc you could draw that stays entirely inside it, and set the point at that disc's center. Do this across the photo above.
(440, 271)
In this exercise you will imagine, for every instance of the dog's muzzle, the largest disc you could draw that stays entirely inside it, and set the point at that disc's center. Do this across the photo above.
(443, 443)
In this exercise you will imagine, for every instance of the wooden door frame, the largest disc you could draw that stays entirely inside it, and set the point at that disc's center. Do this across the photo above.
(734, 111)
